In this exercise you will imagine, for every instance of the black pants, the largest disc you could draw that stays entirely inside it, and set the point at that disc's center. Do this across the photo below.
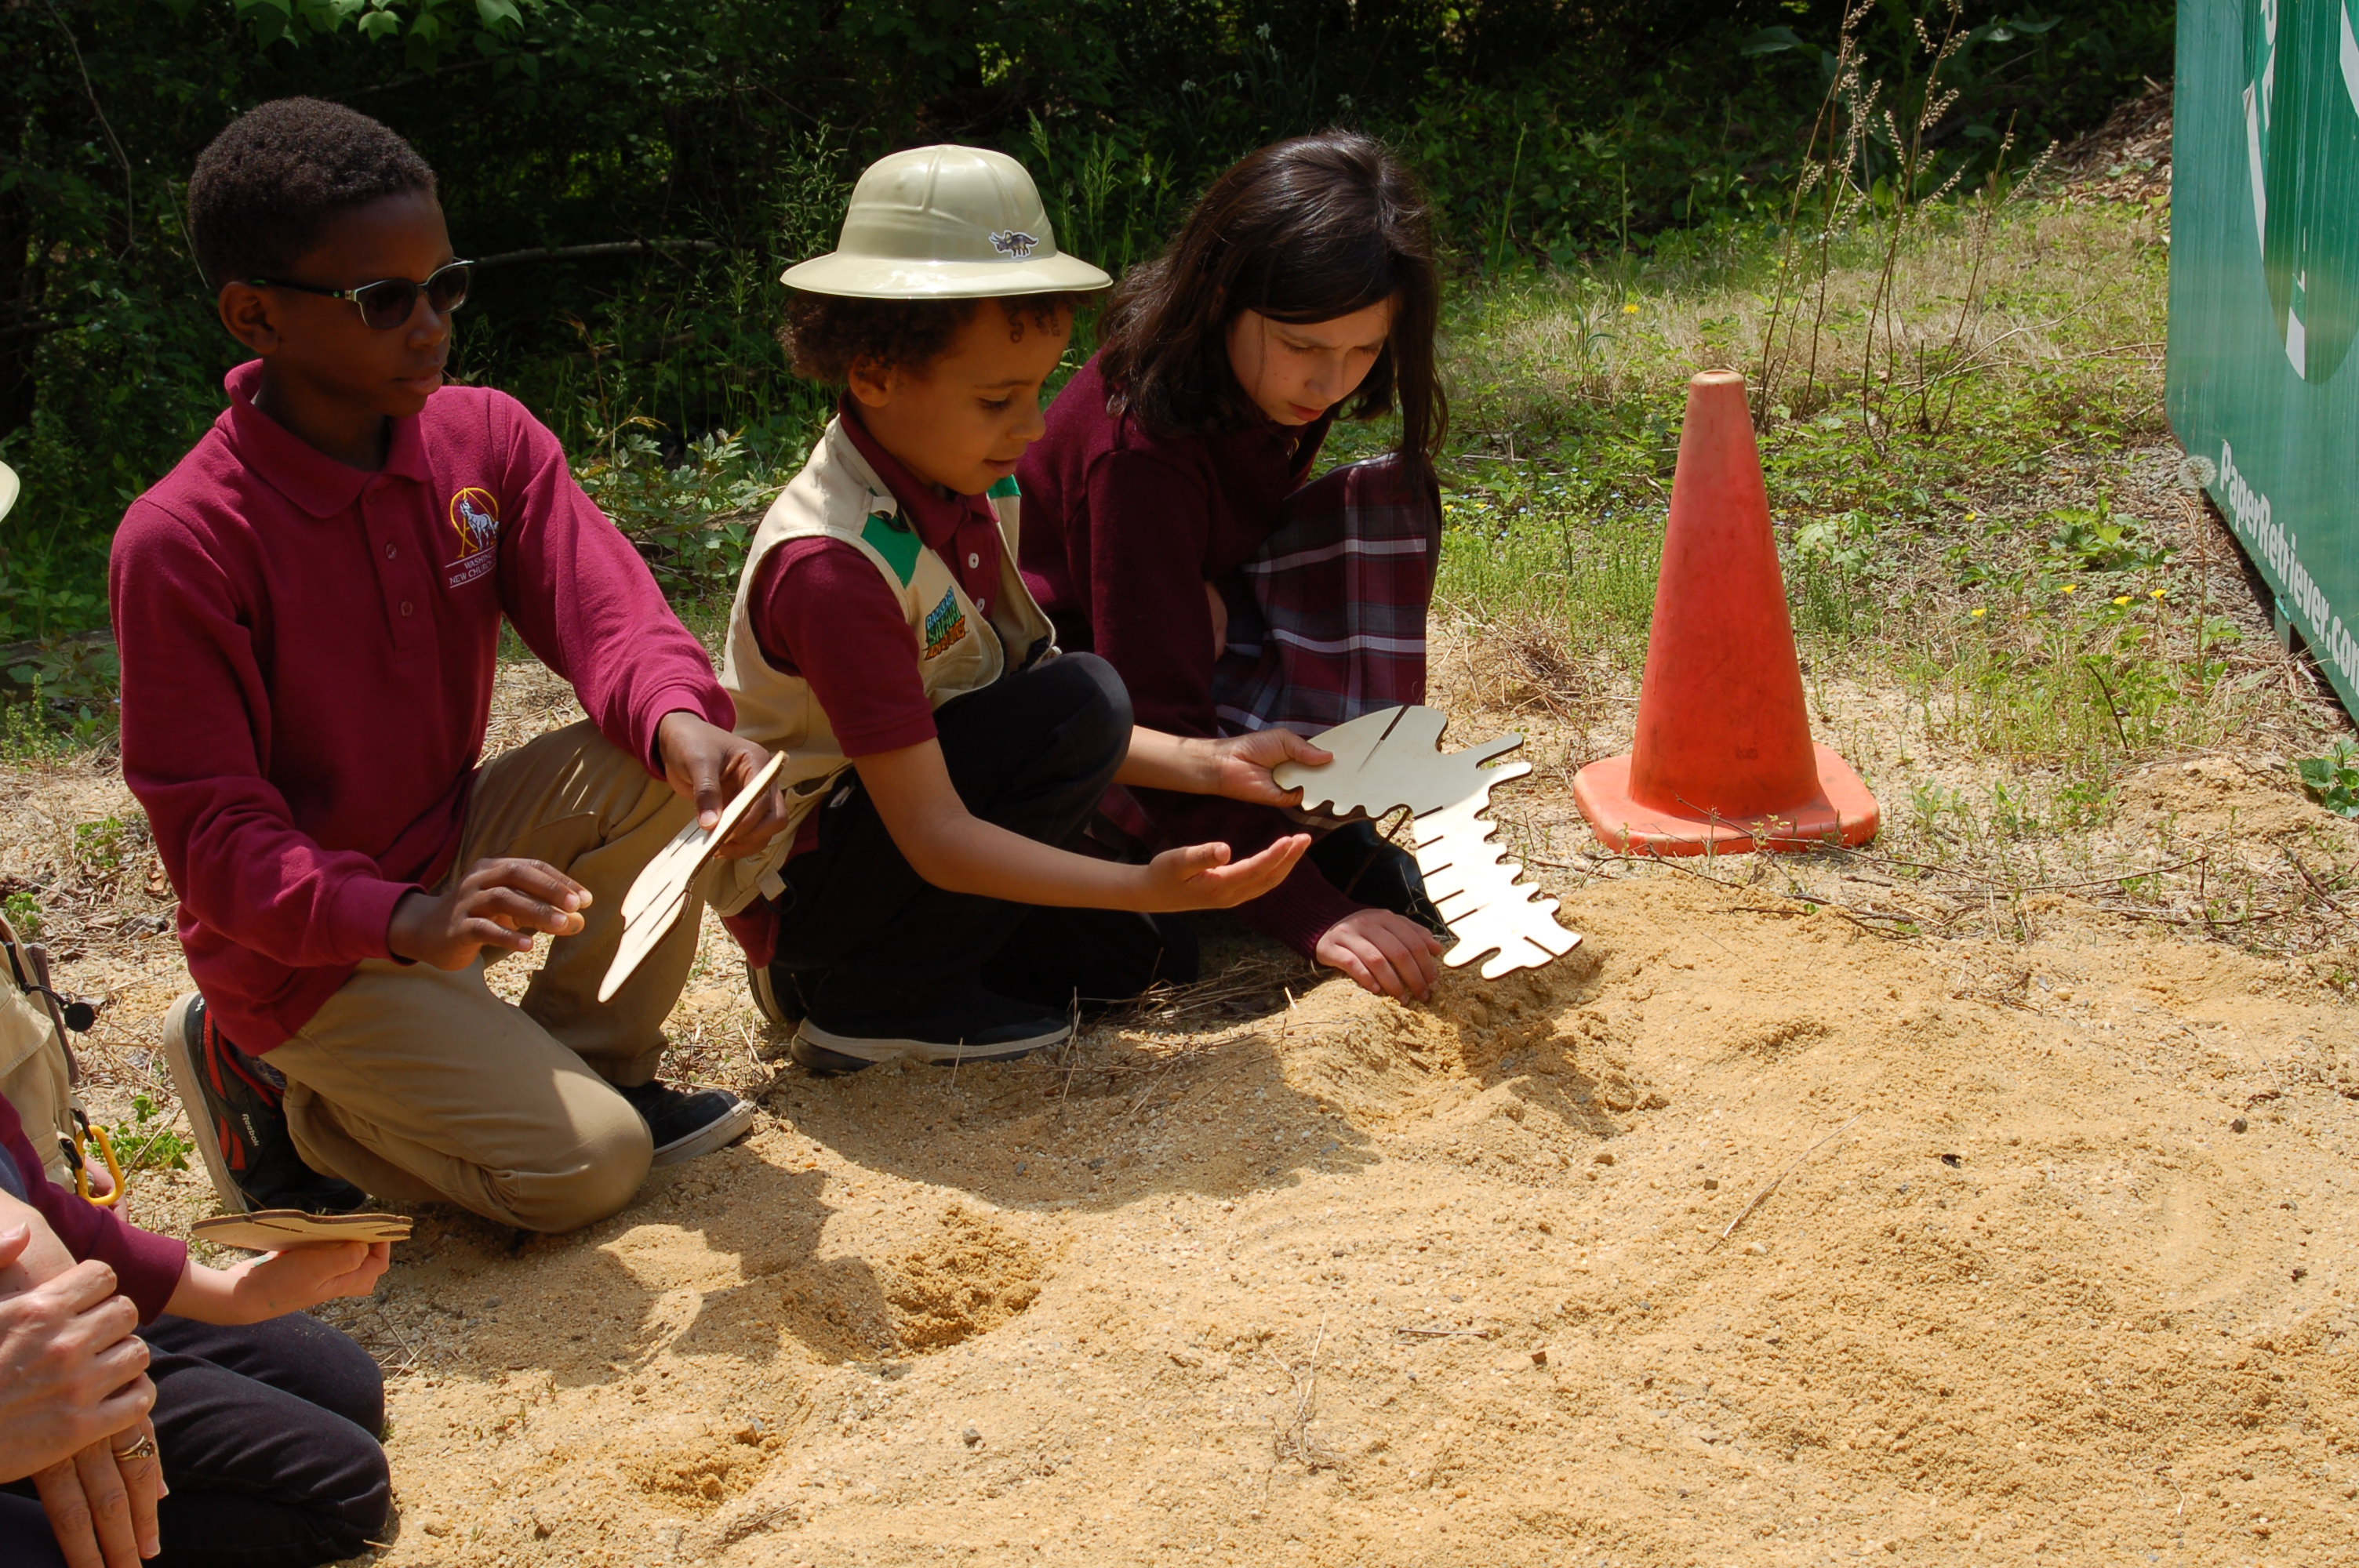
(269, 1437)
(1033, 753)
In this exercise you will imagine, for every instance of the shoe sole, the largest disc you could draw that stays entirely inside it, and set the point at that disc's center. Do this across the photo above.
(188, 1081)
(821, 1062)
(721, 1131)
(765, 999)
(868, 1052)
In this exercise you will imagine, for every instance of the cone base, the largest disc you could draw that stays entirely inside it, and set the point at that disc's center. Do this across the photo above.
(1842, 812)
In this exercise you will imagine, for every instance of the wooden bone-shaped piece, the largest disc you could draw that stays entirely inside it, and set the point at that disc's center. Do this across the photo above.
(653, 904)
(1391, 759)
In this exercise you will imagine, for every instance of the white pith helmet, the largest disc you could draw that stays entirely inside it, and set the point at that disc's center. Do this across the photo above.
(7, 489)
(944, 223)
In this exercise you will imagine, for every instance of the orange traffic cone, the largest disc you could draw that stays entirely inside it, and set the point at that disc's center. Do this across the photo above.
(1723, 759)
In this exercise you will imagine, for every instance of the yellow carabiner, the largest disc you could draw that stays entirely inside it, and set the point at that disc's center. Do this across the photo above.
(107, 1152)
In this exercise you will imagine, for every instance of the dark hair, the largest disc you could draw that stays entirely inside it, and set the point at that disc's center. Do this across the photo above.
(1305, 230)
(826, 334)
(265, 189)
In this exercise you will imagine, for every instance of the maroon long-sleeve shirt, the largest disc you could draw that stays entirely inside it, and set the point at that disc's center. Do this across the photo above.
(147, 1267)
(308, 652)
(1123, 529)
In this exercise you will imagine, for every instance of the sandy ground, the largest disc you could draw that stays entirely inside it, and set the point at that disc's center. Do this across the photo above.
(1745, 1234)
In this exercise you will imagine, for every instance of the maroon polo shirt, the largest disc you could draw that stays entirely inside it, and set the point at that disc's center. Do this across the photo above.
(821, 608)
(1123, 529)
(308, 652)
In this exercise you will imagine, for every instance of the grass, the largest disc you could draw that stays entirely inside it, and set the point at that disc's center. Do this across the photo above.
(1985, 536)
(2002, 589)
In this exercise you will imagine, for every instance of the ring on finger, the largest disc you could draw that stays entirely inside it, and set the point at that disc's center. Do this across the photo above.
(144, 1448)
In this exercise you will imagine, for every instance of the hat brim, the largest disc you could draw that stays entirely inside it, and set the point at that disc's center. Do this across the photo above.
(883, 278)
(7, 489)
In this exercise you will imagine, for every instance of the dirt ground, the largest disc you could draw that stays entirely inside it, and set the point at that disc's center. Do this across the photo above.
(1745, 1234)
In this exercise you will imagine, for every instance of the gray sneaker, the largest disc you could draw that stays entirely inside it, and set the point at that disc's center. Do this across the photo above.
(971, 1024)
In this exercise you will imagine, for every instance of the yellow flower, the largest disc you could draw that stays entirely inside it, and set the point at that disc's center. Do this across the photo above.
(1974, 516)
(2157, 593)
(2121, 599)
(1631, 308)
(1978, 613)
(2070, 588)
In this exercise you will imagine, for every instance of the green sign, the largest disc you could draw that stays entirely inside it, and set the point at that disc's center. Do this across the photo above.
(2265, 297)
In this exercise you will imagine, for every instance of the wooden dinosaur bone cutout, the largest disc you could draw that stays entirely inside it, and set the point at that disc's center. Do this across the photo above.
(1392, 758)
(652, 906)
(276, 1229)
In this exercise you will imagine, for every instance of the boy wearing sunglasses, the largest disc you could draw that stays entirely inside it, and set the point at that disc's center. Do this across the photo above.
(308, 610)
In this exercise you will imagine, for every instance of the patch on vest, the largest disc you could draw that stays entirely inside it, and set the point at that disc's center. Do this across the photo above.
(897, 544)
(1004, 489)
(945, 625)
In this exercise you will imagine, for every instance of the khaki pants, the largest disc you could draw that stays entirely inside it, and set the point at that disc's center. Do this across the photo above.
(418, 1083)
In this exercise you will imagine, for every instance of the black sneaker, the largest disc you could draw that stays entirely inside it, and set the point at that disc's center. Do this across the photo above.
(237, 1106)
(688, 1121)
(967, 1024)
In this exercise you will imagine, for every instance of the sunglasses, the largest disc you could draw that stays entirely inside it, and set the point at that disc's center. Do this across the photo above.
(386, 303)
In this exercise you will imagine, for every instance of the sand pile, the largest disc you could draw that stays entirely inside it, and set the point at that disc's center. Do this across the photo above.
(2041, 1251)
(2059, 1267)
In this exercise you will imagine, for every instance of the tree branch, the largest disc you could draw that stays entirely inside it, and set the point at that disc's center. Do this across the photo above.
(130, 202)
(606, 248)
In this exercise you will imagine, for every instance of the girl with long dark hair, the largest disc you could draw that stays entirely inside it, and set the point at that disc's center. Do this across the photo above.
(1168, 529)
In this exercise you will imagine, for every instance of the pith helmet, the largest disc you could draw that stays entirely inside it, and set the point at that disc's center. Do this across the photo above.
(944, 223)
(7, 489)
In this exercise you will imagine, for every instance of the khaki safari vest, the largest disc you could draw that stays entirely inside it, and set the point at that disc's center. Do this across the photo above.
(838, 496)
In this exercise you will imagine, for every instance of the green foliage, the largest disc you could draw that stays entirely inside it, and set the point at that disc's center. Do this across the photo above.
(692, 519)
(70, 685)
(719, 140)
(2333, 780)
(24, 913)
(151, 1139)
(100, 845)
(2093, 539)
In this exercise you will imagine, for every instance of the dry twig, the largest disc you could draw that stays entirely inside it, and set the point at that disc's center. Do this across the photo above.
(1763, 1195)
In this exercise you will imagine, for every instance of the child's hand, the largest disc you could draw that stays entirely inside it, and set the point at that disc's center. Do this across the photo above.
(302, 1277)
(1388, 954)
(498, 904)
(1199, 876)
(708, 765)
(280, 1282)
(1242, 764)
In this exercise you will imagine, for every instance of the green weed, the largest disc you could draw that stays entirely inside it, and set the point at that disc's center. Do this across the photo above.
(151, 1139)
(100, 845)
(2333, 780)
(24, 913)
(693, 519)
(25, 736)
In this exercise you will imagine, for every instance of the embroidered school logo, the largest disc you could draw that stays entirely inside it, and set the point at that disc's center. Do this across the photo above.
(945, 625)
(1013, 242)
(475, 518)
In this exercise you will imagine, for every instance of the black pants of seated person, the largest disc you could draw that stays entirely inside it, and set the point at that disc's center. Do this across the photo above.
(269, 1437)
(1033, 752)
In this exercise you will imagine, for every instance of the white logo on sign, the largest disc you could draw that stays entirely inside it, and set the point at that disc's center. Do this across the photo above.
(2275, 54)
